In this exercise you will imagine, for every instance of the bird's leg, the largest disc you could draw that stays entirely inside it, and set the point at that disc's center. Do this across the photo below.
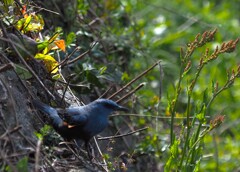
(90, 151)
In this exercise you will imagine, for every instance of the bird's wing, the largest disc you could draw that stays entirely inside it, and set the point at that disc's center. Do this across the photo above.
(75, 116)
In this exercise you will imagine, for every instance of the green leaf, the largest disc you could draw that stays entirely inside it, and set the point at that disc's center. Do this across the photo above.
(102, 70)
(125, 76)
(93, 79)
(22, 164)
(174, 149)
(23, 72)
(197, 166)
(20, 23)
(43, 132)
(71, 37)
(167, 167)
(38, 135)
(42, 45)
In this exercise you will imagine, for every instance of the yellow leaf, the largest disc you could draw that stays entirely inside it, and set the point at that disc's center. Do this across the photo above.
(45, 50)
(50, 63)
(27, 22)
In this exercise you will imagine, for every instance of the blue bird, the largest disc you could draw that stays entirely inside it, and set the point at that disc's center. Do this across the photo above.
(81, 122)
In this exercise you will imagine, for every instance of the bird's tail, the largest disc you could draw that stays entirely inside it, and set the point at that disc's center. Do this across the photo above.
(52, 113)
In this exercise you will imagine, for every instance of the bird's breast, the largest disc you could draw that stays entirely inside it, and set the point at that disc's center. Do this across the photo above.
(95, 126)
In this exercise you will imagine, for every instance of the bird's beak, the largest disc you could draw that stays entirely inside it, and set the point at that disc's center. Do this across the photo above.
(121, 108)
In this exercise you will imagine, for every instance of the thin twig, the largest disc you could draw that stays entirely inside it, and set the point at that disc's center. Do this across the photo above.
(104, 166)
(6, 67)
(77, 101)
(81, 55)
(152, 116)
(131, 92)
(11, 131)
(122, 135)
(160, 94)
(105, 93)
(64, 60)
(135, 79)
(44, 9)
(73, 85)
(16, 155)
(65, 90)
(160, 80)
(37, 155)
(10, 164)
(78, 157)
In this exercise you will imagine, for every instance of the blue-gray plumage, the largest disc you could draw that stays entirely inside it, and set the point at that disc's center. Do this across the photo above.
(82, 122)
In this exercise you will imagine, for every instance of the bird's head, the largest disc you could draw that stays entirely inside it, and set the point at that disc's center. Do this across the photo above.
(109, 105)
